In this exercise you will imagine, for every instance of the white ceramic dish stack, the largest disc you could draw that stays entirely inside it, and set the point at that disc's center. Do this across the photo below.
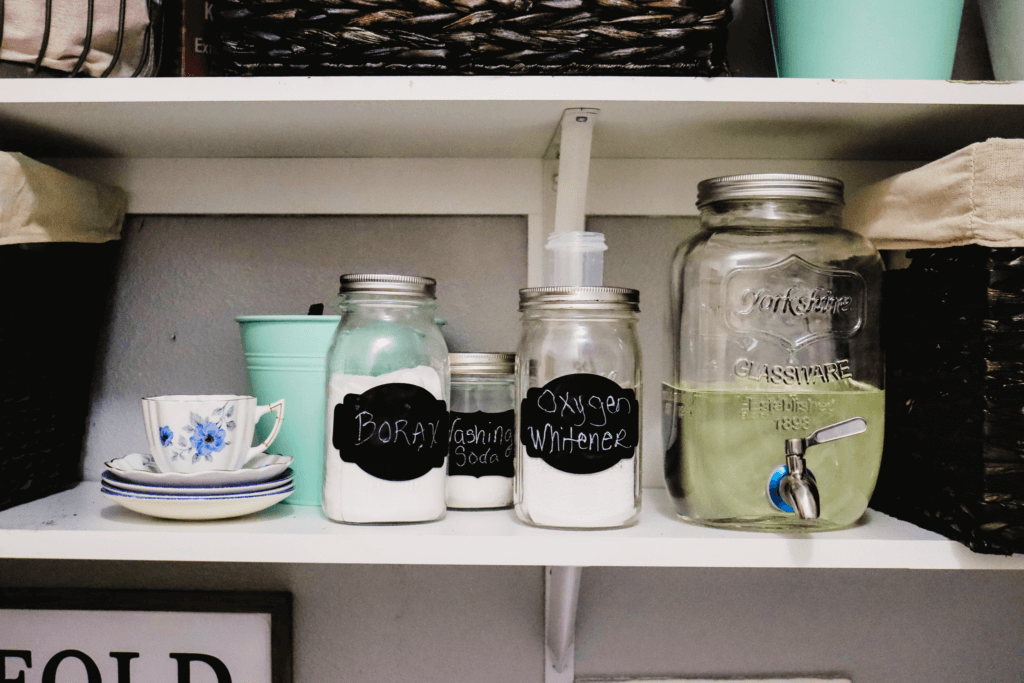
(135, 483)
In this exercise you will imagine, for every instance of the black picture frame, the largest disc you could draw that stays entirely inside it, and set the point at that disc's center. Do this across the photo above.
(277, 605)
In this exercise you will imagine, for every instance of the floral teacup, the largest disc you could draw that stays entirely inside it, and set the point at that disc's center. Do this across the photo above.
(199, 433)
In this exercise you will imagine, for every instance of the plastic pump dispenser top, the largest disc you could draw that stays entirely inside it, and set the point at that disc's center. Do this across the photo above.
(575, 259)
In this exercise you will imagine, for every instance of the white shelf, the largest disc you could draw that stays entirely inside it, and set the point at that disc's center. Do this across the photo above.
(445, 145)
(474, 145)
(502, 117)
(81, 524)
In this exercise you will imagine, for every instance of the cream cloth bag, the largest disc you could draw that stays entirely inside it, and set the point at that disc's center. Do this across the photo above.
(24, 22)
(972, 196)
(38, 203)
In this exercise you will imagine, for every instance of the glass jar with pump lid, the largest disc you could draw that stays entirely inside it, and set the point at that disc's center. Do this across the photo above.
(385, 458)
(578, 388)
(483, 419)
(774, 413)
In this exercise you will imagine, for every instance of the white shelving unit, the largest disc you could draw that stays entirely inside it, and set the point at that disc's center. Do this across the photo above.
(378, 144)
(82, 524)
(437, 145)
(474, 145)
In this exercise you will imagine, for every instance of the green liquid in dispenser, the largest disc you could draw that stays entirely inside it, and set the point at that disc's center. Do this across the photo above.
(728, 443)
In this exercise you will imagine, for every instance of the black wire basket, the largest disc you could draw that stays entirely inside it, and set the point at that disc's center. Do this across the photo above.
(50, 60)
(466, 37)
(954, 433)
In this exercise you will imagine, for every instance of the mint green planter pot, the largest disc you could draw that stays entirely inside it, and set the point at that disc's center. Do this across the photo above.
(912, 39)
(285, 356)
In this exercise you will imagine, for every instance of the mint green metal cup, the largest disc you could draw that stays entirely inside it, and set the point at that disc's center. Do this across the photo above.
(912, 39)
(285, 356)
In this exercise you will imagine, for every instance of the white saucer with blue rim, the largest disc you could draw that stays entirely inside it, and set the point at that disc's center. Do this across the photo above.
(139, 468)
(197, 507)
(115, 481)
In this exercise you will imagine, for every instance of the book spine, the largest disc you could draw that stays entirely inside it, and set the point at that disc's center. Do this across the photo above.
(196, 22)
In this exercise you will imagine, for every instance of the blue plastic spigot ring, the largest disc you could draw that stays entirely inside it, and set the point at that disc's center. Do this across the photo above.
(772, 490)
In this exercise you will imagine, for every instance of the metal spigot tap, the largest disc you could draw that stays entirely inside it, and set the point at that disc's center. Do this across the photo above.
(792, 487)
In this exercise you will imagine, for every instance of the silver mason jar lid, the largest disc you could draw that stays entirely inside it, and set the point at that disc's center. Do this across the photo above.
(482, 363)
(770, 186)
(582, 298)
(402, 285)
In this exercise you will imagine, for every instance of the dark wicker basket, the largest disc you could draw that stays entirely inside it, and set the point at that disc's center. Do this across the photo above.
(539, 37)
(954, 433)
(56, 298)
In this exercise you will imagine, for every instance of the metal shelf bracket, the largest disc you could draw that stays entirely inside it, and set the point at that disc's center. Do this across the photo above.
(575, 137)
(561, 598)
(566, 173)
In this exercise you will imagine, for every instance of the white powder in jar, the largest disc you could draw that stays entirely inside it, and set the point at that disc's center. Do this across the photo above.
(600, 417)
(481, 443)
(354, 496)
(551, 497)
(479, 493)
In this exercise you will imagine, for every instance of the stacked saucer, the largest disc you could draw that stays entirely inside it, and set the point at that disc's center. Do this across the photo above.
(135, 482)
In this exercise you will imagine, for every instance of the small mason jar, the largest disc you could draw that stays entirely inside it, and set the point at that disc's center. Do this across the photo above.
(481, 454)
(578, 388)
(775, 324)
(385, 458)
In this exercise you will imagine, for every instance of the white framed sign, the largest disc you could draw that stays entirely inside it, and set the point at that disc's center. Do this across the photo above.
(90, 636)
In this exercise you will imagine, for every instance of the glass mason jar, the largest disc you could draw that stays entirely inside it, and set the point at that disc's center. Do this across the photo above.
(775, 319)
(385, 457)
(578, 388)
(483, 418)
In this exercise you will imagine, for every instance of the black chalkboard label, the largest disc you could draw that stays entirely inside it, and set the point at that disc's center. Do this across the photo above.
(580, 424)
(481, 444)
(395, 431)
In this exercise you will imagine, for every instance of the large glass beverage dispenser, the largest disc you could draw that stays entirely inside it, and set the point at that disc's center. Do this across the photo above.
(774, 414)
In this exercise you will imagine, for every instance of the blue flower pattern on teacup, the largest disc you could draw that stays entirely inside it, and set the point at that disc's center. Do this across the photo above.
(166, 436)
(207, 435)
(207, 439)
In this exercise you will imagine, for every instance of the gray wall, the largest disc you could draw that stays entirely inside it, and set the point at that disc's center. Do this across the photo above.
(879, 626)
(182, 280)
(187, 277)
(358, 624)
(401, 624)
(639, 256)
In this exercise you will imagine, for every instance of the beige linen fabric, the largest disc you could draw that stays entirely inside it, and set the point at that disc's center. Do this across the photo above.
(973, 196)
(38, 203)
(24, 21)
